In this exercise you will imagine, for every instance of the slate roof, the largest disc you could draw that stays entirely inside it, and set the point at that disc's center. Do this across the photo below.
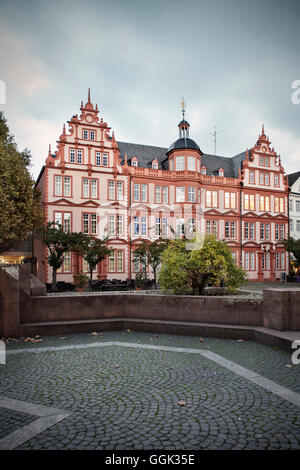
(293, 177)
(147, 153)
(184, 143)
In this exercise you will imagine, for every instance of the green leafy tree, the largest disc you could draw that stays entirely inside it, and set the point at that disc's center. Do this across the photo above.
(93, 250)
(20, 210)
(190, 271)
(150, 253)
(292, 245)
(58, 243)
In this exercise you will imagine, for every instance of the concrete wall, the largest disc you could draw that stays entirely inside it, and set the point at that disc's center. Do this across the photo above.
(9, 304)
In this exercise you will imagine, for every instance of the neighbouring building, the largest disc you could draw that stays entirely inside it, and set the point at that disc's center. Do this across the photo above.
(294, 204)
(131, 192)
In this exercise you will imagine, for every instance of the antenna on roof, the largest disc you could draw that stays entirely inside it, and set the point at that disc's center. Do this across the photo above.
(214, 134)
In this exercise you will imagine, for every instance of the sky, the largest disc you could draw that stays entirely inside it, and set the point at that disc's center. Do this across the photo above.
(234, 62)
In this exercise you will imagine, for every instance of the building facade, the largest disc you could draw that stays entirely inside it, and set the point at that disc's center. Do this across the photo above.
(131, 192)
(294, 204)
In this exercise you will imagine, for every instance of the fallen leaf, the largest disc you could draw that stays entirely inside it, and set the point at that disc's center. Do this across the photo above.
(95, 333)
(117, 366)
(182, 403)
(240, 340)
(37, 336)
(201, 340)
(206, 347)
(63, 337)
(288, 365)
(128, 330)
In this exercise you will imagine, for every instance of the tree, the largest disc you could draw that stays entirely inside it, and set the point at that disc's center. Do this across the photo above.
(150, 253)
(293, 246)
(93, 250)
(20, 210)
(190, 271)
(58, 243)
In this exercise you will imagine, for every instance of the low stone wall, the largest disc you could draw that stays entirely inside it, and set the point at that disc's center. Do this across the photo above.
(22, 312)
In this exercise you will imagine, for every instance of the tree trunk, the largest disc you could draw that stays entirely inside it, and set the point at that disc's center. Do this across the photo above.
(154, 275)
(91, 279)
(54, 288)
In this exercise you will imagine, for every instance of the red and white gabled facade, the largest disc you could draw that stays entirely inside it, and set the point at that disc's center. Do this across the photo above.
(92, 185)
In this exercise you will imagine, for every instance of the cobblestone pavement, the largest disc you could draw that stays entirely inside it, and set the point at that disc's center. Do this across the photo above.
(127, 398)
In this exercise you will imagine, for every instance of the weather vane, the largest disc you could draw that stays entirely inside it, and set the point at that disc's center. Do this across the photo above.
(183, 106)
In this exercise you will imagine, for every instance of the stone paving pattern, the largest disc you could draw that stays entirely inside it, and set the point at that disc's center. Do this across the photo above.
(125, 398)
(11, 421)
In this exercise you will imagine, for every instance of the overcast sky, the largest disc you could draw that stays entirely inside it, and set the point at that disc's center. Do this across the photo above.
(234, 62)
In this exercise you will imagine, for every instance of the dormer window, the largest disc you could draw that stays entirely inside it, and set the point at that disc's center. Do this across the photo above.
(203, 170)
(155, 165)
(134, 161)
(221, 172)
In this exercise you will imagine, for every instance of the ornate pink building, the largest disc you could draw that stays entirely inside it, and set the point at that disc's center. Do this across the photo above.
(133, 192)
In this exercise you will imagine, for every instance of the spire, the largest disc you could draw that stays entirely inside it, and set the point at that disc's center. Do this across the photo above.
(183, 106)
(183, 125)
(49, 152)
(89, 95)
(262, 129)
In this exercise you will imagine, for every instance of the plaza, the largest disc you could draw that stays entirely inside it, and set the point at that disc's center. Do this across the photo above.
(143, 391)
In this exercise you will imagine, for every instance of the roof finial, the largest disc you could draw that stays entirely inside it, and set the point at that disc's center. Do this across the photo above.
(263, 129)
(49, 153)
(183, 106)
(89, 95)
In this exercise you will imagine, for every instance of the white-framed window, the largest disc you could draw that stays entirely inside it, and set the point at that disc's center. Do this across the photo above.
(297, 206)
(180, 163)
(281, 231)
(85, 134)
(92, 135)
(157, 194)
(208, 227)
(267, 232)
(134, 162)
(252, 227)
(292, 225)
(79, 156)
(144, 226)
(180, 193)
(246, 230)
(172, 164)
(155, 165)
(267, 179)
(165, 227)
(229, 200)
(203, 170)
(105, 159)
(262, 231)
(111, 225)
(58, 185)
(191, 194)
(67, 263)
(252, 260)
(261, 178)
(120, 258)
(136, 225)
(86, 267)
(211, 199)
(144, 192)
(179, 226)
(119, 225)
(191, 162)
(276, 180)
(64, 220)
(221, 172)
(266, 161)
(89, 223)
(111, 190)
(157, 226)
(191, 226)
(298, 225)
(67, 185)
(251, 177)
(111, 262)
(136, 192)
(98, 158)
(72, 155)
(165, 194)
(261, 160)
(119, 190)
(277, 261)
(276, 231)
(90, 188)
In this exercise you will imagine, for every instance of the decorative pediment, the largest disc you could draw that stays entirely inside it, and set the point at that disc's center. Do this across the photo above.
(62, 202)
(212, 212)
(230, 213)
(250, 244)
(250, 214)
